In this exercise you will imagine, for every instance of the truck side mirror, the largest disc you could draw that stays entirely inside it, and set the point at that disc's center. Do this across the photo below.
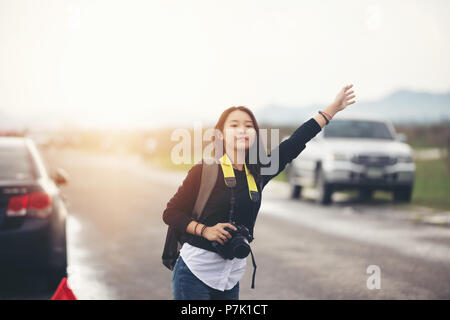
(401, 137)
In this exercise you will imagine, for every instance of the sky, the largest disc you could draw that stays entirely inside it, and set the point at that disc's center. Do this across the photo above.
(153, 63)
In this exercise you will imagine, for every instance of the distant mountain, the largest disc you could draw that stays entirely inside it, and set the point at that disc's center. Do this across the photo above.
(400, 107)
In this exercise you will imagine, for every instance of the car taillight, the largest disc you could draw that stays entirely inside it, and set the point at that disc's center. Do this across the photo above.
(37, 204)
(17, 206)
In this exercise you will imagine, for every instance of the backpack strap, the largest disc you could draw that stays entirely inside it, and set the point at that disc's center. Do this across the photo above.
(210, 169)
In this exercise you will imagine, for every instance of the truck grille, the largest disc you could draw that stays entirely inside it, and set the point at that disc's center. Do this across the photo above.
(374, 160)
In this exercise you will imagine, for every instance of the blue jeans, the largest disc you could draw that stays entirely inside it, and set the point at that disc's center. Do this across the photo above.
(186, 286)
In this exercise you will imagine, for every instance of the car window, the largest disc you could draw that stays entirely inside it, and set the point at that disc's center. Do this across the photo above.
(15, 163)
(357, 129)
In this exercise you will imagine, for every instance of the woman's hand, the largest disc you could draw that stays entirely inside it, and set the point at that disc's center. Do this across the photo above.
(218, 232)
(343, 98)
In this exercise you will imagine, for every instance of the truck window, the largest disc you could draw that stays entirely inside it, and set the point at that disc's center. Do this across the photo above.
(357, 129)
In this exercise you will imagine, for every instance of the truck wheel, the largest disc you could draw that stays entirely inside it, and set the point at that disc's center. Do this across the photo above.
(403, 194)
(365, 194)
(325, 190)
(296, 192)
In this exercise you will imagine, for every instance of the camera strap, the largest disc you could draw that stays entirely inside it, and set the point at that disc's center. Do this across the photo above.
(230, 181)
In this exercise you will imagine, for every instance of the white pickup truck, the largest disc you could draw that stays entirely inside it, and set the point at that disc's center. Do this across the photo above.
(354, 152)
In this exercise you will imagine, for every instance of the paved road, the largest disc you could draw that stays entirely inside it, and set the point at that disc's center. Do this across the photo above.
(303, 251)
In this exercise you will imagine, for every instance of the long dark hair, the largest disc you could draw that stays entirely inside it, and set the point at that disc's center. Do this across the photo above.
(254, 168)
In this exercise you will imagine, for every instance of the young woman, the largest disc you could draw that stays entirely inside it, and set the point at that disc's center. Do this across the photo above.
(200, 272)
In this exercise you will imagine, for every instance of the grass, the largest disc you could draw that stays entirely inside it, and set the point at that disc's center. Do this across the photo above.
(432, 185)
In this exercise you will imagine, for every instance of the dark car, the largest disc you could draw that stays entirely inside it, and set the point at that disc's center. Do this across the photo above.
(32, 211)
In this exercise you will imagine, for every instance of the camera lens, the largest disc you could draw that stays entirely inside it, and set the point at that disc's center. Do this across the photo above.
(241, 249)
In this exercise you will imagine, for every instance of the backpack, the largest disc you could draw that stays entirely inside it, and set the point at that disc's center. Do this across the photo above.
(175, 239)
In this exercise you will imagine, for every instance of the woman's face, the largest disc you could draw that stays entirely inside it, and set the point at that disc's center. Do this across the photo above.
(239, 131)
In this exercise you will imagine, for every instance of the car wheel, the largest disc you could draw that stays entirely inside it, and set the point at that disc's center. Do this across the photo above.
(324, 190)
(58, 269)
(365, 194)
(296, 192)
(403, 194)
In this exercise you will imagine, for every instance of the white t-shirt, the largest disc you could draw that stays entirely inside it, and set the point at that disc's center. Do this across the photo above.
(213, 270)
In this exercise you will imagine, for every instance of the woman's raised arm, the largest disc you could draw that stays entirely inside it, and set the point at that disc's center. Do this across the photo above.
(290, 148)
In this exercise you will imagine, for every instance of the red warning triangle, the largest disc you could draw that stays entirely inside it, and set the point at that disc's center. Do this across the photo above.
(63, 292)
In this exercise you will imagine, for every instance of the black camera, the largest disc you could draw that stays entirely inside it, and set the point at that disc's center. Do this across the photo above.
(236, 247)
